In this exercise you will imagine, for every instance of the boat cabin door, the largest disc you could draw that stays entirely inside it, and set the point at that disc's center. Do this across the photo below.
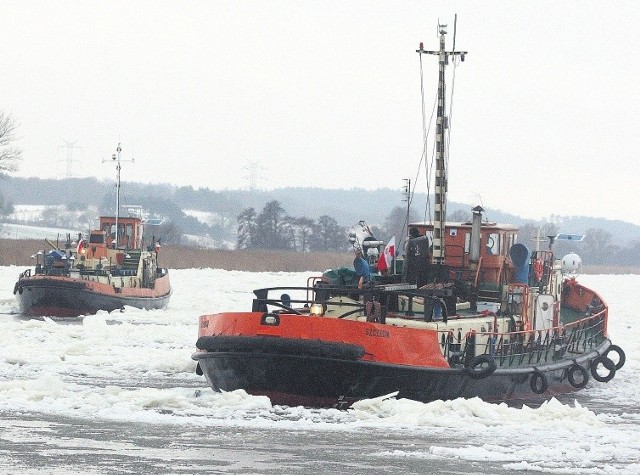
(543, 312)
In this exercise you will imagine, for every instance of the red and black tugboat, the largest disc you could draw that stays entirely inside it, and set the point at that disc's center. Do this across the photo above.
(111, 269)
(469, 312)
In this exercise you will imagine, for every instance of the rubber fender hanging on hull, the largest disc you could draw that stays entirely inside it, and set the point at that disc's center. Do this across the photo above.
(576, 381)
(606, 363)
(538, 382)
(481, 366)
(622, 358)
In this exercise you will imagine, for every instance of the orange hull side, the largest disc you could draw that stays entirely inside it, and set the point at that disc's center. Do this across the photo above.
(382, 343)
(579, 297)
(162, 286)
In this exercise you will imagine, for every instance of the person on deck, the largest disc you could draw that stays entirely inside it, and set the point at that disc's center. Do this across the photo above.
(363, 271)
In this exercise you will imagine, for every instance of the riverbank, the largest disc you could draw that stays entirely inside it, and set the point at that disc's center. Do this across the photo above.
(19, 252)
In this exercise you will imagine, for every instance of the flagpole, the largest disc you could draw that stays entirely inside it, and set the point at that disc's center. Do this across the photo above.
(394, 254)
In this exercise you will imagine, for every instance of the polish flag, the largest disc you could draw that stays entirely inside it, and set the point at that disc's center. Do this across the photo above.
(386, 259)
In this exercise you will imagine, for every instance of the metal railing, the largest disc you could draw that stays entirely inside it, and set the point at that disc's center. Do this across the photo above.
(527, 347)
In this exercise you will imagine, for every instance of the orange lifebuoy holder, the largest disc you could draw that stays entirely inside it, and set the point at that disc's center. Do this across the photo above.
(537, 269)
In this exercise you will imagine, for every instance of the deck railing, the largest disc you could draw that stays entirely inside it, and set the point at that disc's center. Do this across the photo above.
(508, 349)
(528, 347)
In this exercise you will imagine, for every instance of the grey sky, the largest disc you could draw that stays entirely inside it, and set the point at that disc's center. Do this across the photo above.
(327, 94)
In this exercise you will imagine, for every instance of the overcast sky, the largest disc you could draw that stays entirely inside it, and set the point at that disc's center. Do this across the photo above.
(226, 94)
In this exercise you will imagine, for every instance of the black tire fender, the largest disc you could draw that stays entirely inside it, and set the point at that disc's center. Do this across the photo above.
(538, 382)
(622, 358)
(481, 366)
(572, 373)
(608, 364)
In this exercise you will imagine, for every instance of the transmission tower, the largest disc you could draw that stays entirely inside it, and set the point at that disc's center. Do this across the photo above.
(254, 173)
(66, 156)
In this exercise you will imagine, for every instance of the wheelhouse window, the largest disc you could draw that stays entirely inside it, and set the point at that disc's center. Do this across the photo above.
(96, 238)
(129, 234)
(493, 244)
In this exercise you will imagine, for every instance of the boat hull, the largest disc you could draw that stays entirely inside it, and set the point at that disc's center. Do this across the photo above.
(69, 297)
(319, 379)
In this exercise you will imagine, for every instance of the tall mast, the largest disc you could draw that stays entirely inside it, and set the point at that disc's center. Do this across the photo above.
(116, 158)
(442, 124)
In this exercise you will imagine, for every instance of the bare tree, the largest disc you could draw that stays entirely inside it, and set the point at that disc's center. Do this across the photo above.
(169, 233)
(328, 235)
(272, 224)
(247, 229)
(304, 229)
(598, 248)
(9, 156)
(395, 224)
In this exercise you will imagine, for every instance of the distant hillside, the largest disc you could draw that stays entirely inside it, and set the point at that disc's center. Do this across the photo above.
(18, 253)
(204, 212)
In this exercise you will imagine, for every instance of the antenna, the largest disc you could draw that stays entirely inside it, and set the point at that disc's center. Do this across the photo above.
(116, 158)
(538, 240)
(455, 24)
(407, 198)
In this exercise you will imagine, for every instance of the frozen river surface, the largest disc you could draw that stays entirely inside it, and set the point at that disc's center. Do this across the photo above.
(118, 394)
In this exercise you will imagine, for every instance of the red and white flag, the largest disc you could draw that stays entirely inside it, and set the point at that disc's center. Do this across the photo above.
(386, 259)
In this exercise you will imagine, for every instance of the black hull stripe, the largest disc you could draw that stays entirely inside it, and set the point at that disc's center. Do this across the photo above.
(276, 345)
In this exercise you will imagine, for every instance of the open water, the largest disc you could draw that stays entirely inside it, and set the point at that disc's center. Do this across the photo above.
(118, 394)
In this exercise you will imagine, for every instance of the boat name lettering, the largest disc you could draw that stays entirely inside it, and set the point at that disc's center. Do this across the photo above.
(377, 333)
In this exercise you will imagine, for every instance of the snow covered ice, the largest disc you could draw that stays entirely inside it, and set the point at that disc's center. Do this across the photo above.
(133, 370)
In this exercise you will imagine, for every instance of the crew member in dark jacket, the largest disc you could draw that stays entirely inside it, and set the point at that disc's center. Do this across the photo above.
(363, 271)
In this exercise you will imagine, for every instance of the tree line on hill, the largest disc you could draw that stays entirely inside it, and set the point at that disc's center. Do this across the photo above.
(598, 247)
(272, 228)
(285, 221)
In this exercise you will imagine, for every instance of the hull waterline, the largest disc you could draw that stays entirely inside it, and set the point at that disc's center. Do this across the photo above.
(111, 268)
(67, 297)
(317, 381)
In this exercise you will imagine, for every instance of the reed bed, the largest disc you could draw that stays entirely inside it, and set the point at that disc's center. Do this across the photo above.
(19, 252)
(179, 257)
